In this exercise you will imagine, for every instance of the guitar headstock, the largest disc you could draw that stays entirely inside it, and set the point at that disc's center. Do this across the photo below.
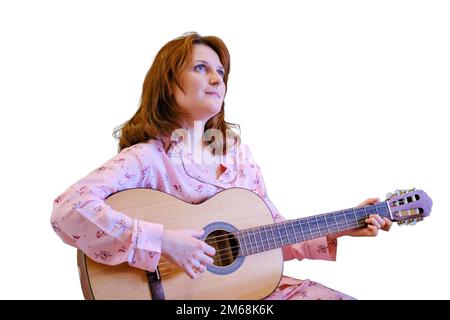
(409, 206)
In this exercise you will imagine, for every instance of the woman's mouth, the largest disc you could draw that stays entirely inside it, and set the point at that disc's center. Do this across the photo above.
(213, 93)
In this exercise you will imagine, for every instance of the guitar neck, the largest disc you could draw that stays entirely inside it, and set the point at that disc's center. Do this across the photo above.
(276, 235)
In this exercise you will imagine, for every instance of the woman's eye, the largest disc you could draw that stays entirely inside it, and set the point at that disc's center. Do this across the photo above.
(200, 67)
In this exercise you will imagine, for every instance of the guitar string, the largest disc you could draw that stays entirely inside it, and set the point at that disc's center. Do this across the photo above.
(313, 219)
(164, 267)
(284, 237)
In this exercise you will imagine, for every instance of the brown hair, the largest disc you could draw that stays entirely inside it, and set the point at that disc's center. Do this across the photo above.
(158, 114)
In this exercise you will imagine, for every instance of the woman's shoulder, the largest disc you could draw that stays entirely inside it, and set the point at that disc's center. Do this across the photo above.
(151, 145)
(150, 149)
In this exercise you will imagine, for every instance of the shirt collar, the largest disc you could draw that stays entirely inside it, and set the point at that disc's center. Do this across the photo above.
(193, 166)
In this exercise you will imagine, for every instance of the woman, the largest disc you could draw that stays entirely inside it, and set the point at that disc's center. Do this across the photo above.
(178, 142)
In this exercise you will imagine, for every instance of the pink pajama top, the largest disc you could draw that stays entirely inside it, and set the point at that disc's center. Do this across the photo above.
(81, 218)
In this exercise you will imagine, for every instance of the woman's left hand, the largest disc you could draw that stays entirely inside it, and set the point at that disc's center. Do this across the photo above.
(374, 223)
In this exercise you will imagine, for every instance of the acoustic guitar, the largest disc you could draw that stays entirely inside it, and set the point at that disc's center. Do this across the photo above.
(248, 263)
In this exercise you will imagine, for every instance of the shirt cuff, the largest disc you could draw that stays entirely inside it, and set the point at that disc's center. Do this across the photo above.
(322, 249)
(318, 249)
(145, 245)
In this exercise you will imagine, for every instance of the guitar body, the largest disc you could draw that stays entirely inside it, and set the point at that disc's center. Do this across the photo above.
(245, 277)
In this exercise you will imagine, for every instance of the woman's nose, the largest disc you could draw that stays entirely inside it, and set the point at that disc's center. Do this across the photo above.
(215, 78)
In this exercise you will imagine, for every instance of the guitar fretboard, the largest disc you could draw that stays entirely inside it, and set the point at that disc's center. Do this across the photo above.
(276, 235)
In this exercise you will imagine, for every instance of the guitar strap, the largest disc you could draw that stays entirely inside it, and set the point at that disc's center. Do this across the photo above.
(155, 284)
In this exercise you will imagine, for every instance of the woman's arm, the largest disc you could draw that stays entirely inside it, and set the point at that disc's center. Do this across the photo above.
(83, 220)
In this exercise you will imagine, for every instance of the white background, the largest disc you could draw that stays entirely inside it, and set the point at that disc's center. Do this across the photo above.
(338, 100)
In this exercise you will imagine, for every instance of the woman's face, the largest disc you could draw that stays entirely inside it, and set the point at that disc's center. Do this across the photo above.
(203, 85)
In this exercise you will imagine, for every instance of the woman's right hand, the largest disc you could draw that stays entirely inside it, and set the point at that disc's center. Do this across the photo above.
(182, 248)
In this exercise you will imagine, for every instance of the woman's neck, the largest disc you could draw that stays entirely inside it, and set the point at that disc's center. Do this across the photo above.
(194, 143)
(194, 139)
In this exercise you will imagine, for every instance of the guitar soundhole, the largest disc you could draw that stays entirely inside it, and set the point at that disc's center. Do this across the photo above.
(226, 246)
